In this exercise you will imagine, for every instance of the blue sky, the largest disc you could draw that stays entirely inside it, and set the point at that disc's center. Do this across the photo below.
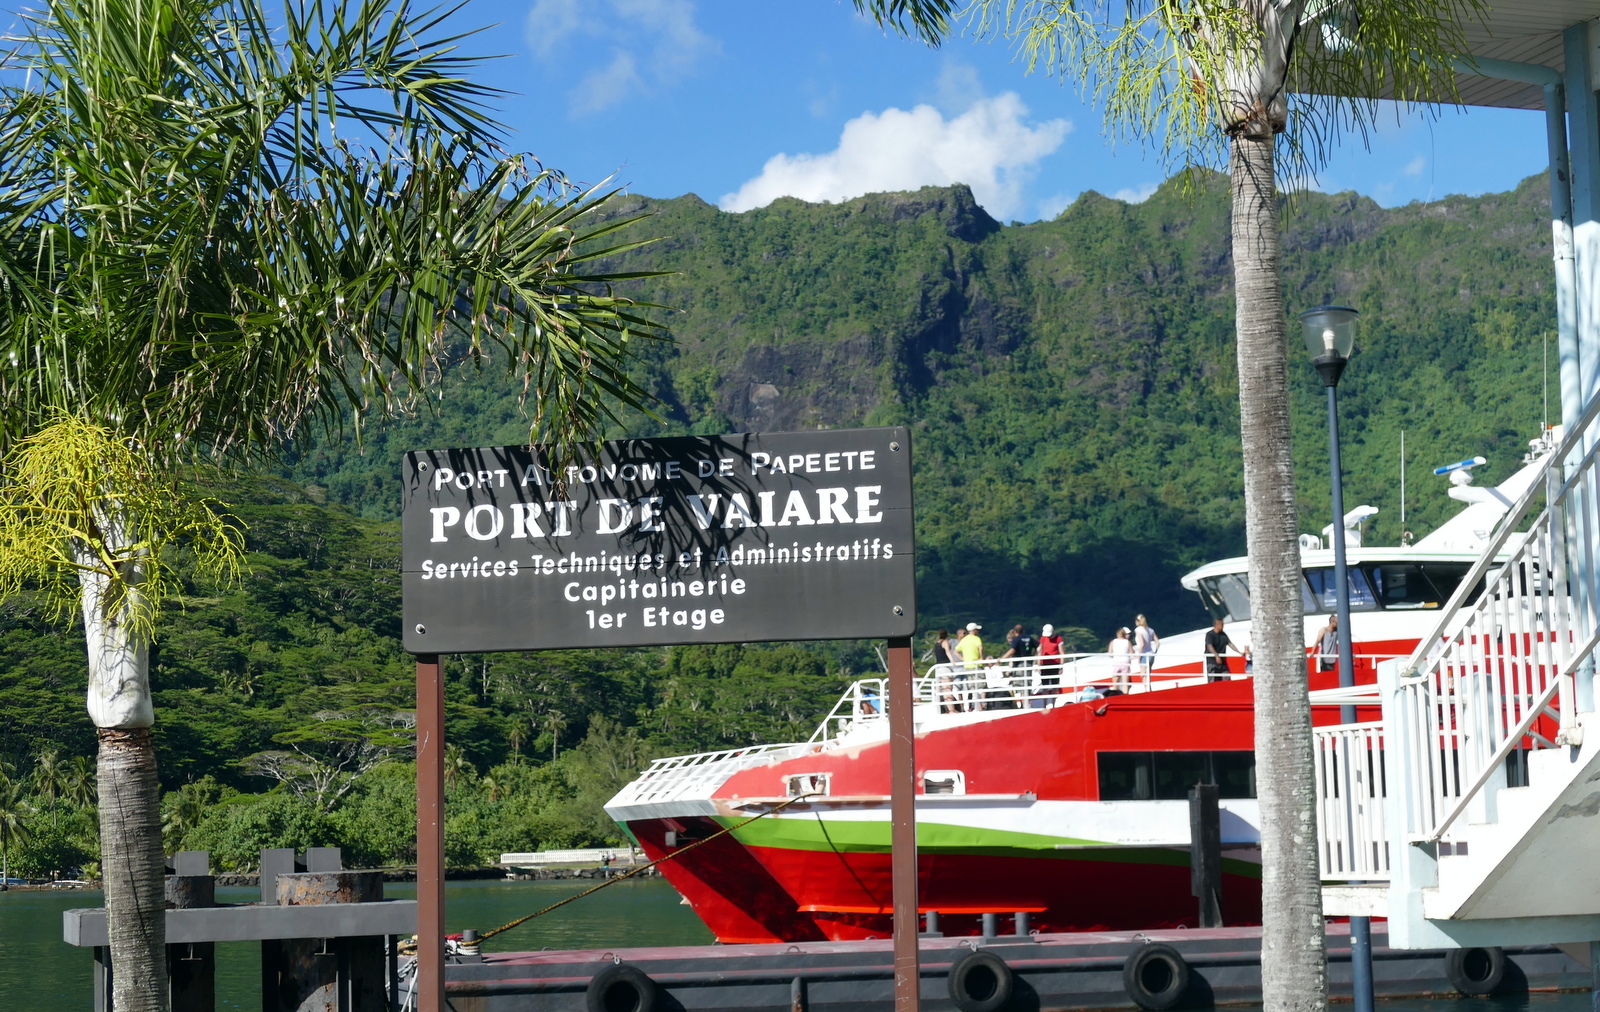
(740, 101)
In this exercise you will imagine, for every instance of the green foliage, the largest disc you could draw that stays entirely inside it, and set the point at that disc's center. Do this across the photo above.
(1074, 413)
(241, 269)
(81, 503)
(238, 829)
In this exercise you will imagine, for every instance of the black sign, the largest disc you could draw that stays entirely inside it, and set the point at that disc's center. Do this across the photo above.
(713, 539)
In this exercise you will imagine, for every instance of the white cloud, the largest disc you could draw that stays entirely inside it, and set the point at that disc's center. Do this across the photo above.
(608, 85)
(1415, 166)
(1052, 206)
(1135, 194)
(959, 86)
(989, 147)
(660, 35)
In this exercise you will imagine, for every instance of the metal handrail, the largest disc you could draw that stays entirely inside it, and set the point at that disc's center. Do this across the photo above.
(1535, 711)
(1569, 442)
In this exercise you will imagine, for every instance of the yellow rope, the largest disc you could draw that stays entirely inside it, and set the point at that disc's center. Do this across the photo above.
(485, 936)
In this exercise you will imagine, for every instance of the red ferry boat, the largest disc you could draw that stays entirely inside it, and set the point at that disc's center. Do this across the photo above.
(1041, 791)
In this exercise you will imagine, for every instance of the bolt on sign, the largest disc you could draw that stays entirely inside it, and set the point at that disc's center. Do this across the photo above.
(698, 539)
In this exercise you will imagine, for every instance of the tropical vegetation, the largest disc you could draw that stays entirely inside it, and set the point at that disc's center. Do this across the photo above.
(1073, 406)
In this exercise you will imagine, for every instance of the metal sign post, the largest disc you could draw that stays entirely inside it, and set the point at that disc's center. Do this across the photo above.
(699, 539)
(903, 812)
(430, 834)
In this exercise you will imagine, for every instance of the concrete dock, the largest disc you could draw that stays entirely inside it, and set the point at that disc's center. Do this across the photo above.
(1054, 971)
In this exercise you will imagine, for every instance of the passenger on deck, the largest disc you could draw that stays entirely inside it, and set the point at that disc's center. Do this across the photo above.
(1050, 648)
(971, 650)
(1121, 651)
(1217, 646)
(943, 657)
(1145, 645)
(1327, 645)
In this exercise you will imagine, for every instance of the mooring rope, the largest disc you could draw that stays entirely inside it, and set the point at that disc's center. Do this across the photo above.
(485, 936)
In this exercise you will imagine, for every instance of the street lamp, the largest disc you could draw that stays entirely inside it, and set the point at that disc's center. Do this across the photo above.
(1330, 333)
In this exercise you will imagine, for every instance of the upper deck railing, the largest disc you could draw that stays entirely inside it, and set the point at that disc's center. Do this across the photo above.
(1028, 683)
(1495, 675)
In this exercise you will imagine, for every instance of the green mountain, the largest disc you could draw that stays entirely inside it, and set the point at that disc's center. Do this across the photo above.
(1071, 390)
(1071, 384)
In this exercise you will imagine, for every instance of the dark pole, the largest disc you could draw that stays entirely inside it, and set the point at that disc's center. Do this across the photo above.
(1341, 574)
(1360, 927)
(903, 812)
(430, 835)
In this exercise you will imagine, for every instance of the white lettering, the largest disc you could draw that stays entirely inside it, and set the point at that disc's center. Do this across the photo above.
(523, 515)
(624, 511)
(794, 511)
(650, 514)
(867, 504)
(443, 516)
(705, 468)
(705, 507)
(442, 477)
(830, 506)
(474, 526)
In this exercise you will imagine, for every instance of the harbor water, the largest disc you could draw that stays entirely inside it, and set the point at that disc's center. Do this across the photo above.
(38, 970)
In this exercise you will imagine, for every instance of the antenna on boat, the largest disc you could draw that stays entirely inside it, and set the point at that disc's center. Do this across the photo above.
(1405, 535)
(1544, 422)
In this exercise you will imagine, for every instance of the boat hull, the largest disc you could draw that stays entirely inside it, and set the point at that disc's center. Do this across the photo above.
(777, 890)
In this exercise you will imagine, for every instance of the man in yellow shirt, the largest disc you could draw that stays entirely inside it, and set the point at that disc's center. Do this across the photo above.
(971, 646)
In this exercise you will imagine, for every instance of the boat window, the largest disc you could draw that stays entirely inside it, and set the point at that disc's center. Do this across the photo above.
(944, 782)
(1167, 776)
(808, 783)
(1323, 591)
(1227, 597)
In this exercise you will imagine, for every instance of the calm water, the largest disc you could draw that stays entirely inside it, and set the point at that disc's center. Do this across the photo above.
(37, 967)
(38, 970)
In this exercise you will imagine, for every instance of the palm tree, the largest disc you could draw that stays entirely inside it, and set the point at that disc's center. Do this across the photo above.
(79, 788)
(1230, 81)
(15, 814)
(225, 226)
(555, 722)
(50, 775)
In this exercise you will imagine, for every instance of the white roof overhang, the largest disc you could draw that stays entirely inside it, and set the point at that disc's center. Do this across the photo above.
(1521, 31)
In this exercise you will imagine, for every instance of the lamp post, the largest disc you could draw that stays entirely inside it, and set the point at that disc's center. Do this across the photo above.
(1330, 333)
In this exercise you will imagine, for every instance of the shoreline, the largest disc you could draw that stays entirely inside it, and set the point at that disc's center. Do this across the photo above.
(252, 879)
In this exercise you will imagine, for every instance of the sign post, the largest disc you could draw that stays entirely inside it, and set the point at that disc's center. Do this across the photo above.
(649, 542)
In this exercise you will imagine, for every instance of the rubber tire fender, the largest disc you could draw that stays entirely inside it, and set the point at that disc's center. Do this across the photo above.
(1476, 972)
(1155, 976)
(980, 981)
(621, 988)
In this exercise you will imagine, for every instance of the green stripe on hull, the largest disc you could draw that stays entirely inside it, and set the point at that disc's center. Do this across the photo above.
(872, 837)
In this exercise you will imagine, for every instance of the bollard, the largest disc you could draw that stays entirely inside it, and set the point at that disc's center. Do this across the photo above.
(327, 974)
(933, 923)
(1020, 918)
(1205, 853)
(990, 922)
(192, 966)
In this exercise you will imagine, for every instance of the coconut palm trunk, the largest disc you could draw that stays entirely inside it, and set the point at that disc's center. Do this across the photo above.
(132, 861)
(134, 869)
(1293, 968)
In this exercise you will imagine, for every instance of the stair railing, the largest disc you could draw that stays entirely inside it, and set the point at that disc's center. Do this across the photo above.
(1498, 668)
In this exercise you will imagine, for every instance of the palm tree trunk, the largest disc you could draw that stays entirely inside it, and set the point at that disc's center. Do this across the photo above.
(1293, 960)
(134, 868)
(132, 861)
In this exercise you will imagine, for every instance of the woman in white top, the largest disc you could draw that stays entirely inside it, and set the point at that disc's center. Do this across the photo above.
(1121, 651)
(1145, 645)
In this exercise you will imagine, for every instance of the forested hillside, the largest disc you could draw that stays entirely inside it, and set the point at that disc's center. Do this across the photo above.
(1070, 385)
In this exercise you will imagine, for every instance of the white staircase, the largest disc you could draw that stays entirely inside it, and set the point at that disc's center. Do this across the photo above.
(1471, 814)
